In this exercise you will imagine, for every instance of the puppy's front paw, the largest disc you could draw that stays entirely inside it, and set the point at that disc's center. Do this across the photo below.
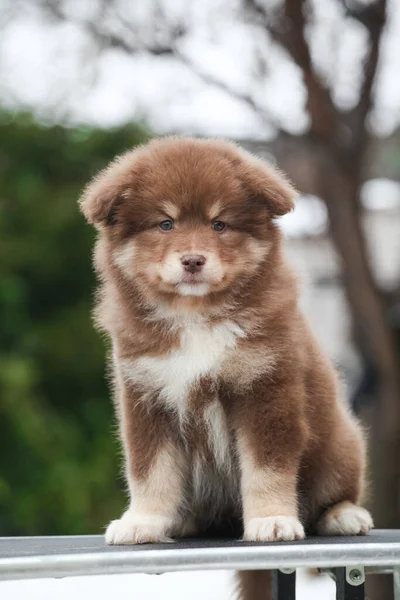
(273, 529)
(345, 519)
(133, 528)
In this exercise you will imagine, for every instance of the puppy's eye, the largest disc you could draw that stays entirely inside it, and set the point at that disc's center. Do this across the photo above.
(218, 225)
(166, 225)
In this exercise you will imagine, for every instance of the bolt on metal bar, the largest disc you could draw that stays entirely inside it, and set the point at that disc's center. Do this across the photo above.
(349, 583)
(355, 575)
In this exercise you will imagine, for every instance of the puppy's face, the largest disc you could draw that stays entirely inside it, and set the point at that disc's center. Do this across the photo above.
(187, 218)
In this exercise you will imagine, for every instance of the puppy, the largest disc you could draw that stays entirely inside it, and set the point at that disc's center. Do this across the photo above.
(227, 405)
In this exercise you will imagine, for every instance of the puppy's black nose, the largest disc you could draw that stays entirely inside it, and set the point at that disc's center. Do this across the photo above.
(193, 263)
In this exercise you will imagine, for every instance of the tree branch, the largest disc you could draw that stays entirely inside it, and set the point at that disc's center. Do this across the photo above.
(361, 12)
(287, 28)
(111, 40)
(323, 114)
(245, 99)
(375, 20)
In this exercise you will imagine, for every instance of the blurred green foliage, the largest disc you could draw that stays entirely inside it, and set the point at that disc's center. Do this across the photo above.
(59, 465)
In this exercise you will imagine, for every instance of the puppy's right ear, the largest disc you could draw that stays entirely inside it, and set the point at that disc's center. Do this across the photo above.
(103, 196)
(100, 201)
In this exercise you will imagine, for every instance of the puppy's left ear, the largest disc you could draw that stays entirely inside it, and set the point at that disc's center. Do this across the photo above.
(264, 182)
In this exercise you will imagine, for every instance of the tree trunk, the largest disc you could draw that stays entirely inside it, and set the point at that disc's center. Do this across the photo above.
(340, 189)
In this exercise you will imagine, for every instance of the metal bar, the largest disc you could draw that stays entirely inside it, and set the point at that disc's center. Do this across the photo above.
(368, 571)
(348, 588)
(396, 583)
(160, 561)
(283, 585)
(379, 571)
(24, 558)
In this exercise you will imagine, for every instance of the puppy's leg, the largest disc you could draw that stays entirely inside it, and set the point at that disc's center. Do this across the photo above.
(340, 482)
(155, 470)
(269, 446)
(269, 502)
(253, 585)
(345, 518)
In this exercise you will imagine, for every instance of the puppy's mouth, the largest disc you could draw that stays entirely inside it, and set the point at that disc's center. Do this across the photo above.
(193, 279)
(193, 284)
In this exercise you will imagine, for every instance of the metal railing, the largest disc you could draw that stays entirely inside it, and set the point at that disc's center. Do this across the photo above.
(346, 559)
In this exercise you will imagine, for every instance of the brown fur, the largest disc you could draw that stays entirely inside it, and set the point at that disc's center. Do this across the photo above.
(254, 585)
(286, 447)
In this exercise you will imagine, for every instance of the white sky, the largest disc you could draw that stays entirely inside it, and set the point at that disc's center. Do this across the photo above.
(45, 67)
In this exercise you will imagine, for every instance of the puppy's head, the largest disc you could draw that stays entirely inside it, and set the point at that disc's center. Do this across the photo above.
(184, 218)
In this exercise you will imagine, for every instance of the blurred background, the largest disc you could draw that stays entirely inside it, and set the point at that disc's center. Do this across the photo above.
(312, 85)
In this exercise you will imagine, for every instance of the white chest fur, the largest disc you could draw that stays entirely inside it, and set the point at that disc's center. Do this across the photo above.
(201, 352)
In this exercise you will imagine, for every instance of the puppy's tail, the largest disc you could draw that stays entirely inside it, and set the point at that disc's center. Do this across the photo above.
(253, 585)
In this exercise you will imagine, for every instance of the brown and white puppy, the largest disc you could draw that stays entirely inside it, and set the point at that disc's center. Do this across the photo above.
(227, 404)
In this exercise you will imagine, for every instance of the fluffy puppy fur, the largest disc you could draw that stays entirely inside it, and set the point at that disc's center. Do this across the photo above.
(227, 405)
